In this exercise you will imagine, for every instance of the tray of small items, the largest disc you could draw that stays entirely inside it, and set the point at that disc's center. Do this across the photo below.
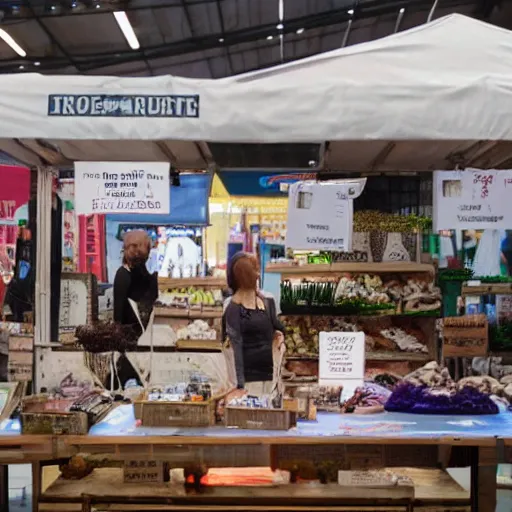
(183, 404)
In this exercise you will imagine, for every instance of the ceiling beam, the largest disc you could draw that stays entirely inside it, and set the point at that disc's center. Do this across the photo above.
(105, 8)
(223, 37)
(51, 37)
(193, 32)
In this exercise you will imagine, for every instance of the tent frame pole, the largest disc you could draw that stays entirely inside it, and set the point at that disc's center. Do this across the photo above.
(42, 331)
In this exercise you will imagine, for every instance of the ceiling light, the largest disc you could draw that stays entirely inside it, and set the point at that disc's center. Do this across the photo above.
(270, 38)
(12, 43)
(37, 63)
(402, 10)
(97, 6)
(21, 67)
(300, 30)
(279, 26)
(351, 12)
(127, 29)
(73, 5)
(221, 39)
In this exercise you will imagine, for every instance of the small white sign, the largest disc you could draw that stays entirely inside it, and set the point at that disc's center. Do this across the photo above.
(472, 199)
(122, 187)
(341, 358)
(320, 216)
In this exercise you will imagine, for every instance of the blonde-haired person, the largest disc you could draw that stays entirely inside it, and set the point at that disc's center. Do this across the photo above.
(251, 325)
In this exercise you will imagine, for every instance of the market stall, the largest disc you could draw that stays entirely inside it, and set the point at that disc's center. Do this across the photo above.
(170, 119)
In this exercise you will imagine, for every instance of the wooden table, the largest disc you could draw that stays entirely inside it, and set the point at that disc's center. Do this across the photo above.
(280, 451)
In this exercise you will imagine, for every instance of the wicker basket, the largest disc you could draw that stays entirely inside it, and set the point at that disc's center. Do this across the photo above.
(176, 414)
(260, 419)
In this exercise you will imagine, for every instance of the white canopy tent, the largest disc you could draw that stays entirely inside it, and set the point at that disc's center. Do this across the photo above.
(420, 99)
(431, 97)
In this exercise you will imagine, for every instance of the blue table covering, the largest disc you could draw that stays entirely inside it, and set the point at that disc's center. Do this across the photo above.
(121, 422)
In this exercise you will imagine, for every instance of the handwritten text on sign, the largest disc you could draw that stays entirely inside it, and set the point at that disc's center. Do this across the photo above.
(122, 187)
(320, 216)
(472, 199)
(341, 356)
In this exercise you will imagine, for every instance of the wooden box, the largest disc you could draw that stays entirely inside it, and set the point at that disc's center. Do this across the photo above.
(465, 336)
(41, 415)
(176, 414)
(54, 423)
(260, 419)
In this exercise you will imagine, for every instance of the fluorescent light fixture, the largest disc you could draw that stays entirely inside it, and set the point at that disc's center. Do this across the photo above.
(127, 29)
(351, 12)
(221, 39)
(37, 63)
(12, 43)
(402, 10)
(269, 38)
(279, 26)
(300, 31)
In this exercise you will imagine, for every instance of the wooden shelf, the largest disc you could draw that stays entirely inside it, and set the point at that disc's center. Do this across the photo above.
(365, 268)
(487, 289)
(187, 313)
(207, 345)
(377, 356)
(430, 487)
(196, 282)
(397, 356)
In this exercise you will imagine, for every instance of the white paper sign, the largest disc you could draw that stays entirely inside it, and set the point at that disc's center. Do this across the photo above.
(472, 199)
(341, 358)
(122, 187)
(320, 216)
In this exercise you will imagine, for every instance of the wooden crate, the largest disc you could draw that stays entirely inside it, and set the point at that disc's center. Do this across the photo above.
(54, 423)
(176, 414)
(40, 415)
(260, 419)
(466, 336)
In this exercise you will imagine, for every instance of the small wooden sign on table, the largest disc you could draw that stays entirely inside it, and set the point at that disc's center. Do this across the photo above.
(143, 471)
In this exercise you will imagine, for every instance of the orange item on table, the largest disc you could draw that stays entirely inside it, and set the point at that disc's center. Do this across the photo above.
(239, 477)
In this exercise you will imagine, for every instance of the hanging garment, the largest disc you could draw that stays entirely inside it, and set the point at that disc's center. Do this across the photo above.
(488, 254)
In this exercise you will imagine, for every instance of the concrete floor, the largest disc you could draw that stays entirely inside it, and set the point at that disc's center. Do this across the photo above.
(20, 487)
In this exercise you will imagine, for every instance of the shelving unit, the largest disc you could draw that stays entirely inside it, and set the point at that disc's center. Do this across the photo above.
(371, 323)
(349, 267)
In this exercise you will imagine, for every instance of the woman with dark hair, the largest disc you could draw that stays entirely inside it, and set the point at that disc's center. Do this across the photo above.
(133, 283)
(251, 325)
(135, 292)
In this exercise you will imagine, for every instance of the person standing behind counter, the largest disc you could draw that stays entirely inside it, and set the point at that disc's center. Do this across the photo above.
(251, 325)
(135, 292)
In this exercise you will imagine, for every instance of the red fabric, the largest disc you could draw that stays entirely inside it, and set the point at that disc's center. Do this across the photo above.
(15, 190)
